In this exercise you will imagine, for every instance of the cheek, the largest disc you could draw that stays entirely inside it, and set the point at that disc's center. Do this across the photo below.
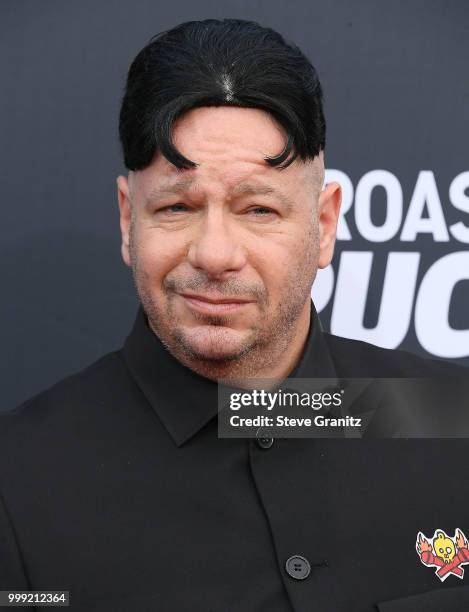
(157, 253)
(280, 259)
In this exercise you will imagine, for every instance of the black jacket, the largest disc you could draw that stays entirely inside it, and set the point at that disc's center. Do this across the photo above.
(115, 486)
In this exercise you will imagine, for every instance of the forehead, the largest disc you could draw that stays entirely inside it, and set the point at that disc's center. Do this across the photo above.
(224, 131)
(247, 187)
(230, 145)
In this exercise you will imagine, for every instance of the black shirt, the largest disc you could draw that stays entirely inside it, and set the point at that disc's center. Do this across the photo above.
(115, 486)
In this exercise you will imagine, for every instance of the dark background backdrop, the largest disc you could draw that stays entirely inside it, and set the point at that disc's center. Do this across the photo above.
(395, 76)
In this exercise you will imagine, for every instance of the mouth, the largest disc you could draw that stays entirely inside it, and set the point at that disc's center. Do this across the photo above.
(214, 305)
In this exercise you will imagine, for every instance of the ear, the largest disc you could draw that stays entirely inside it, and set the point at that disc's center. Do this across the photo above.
(328, 216)
(125, 208)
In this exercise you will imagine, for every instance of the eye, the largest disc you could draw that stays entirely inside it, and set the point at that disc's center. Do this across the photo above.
(174, 208)
(261, 211)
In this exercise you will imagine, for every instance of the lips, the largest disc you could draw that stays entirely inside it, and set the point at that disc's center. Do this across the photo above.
(214, 304)
(215, 300)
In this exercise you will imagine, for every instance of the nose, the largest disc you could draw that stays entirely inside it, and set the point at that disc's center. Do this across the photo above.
(215, 247)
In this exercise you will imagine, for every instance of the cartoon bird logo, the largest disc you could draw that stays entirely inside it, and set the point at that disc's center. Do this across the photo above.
(445, 553)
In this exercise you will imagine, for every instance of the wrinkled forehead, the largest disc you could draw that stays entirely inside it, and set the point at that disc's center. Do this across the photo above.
(241, 177)
(230, 145)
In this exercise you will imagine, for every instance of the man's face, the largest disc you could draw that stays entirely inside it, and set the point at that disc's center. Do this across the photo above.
(224, 255)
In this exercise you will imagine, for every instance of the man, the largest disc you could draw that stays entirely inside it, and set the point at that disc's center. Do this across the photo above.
(114, 483)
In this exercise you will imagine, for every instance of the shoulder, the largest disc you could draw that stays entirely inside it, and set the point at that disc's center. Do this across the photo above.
(87, 388)
(362, 359)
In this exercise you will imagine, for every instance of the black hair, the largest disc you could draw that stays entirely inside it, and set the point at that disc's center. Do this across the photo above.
(228, 62)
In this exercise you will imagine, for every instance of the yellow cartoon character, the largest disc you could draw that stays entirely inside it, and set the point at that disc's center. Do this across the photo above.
(447, 554)
(444, 547)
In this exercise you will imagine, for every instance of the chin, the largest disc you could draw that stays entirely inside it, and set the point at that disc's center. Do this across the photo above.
(215, 343)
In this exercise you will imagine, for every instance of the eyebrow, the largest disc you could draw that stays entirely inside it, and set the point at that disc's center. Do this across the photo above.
(241, 189)
(255, 189)
(182, 184)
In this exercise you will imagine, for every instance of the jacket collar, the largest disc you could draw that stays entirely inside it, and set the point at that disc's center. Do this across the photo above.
(183, 400)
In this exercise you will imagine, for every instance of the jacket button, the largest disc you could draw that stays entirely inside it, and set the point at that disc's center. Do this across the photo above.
(263, 438)
(265, 442)
(298, 567)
